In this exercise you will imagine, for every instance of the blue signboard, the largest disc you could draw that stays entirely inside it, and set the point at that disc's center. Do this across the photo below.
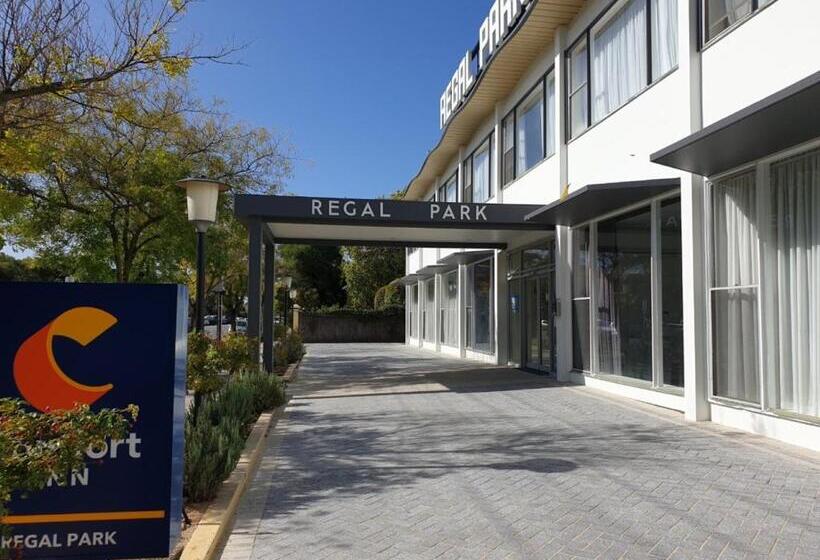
(108, 346)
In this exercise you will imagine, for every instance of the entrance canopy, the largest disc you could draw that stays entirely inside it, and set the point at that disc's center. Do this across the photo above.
(355, 221)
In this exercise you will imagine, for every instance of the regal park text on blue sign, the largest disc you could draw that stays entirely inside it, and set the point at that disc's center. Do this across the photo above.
(107, 346)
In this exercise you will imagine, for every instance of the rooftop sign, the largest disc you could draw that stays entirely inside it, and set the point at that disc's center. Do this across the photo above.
(503, 16)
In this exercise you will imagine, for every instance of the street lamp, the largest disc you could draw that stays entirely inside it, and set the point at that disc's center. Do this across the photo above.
(202, 195)
(219, 290)
(293, 295)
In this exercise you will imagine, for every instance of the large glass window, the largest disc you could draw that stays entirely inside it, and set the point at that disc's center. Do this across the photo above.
(550, 131)
(448, 192)
(413, 314)
(508, 149)
(479, 306)
(735, 344)
(616, 65)
(624, 306)
(720, 15)
(793, 330)
(530, 127)
(671, 289)
(482, 176)
(429, 310)
(580, 299)
(664, 34)
(619, 59)
(467, 180)
(514, 289)
(449, 308)
(578, 83)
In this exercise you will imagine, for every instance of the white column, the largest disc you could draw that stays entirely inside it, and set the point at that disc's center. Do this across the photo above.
(501, 312)
(692, 227)
(495, 176)
(563, 245)
(462, 313)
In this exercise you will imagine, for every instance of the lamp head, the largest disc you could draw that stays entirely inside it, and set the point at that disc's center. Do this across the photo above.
(202, 195)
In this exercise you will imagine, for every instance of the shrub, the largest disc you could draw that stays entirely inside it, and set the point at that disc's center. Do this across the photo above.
(215, 433)
(294, 347)
(204, 364)
(236, 353)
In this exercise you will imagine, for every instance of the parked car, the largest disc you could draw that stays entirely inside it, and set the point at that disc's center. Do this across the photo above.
(241, 325)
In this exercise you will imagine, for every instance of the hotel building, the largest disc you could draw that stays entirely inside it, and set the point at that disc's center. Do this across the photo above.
(673, 150)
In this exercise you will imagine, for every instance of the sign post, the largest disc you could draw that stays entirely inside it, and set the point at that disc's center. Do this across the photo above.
(108, 346)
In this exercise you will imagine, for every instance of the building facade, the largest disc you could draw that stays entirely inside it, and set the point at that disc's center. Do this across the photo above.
(675, 148)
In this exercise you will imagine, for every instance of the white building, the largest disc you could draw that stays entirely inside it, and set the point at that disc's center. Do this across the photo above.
(675, 146)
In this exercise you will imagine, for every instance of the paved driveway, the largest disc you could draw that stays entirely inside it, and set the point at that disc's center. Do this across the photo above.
(387, 452)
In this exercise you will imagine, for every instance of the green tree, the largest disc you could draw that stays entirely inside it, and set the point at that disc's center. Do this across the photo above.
(316, 272)
(366, 269)
(104, 197)
(56, 65)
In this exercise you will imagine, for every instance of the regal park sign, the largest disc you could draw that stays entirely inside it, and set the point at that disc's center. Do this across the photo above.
(353, 208)
(106, 346)
(503, 16)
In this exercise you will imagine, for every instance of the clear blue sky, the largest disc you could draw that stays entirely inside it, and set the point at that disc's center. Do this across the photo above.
(354, 84)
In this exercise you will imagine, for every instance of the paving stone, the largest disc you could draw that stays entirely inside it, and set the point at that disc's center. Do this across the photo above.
(388, 452)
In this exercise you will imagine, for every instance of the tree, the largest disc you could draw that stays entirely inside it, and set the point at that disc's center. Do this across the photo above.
(103, 194)
(366, 269)
(316, 272)
(56, 64)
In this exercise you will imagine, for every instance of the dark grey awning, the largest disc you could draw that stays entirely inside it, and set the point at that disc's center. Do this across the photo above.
(432, 269)
(465, 257)
(780, 121)
(592, 201)
(348, 221)
(407, 280)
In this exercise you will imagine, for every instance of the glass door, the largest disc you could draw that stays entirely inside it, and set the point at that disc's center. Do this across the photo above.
(538, 322)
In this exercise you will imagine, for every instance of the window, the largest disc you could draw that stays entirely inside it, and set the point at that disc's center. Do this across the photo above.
(550, 128)
(624, 295)
(449, 309)
(627, 316)
(479, 306)
(448, 192)
(467, 181)
(580, 300)
(429, 310)
(664, 33)
(720, 15)
(578, 93)
(413, 311)
(508, 149)
(793, 333)
(619, 59)
(671, 272)
(482, 176)
(735, 343)
(613, 61)
(530, 130)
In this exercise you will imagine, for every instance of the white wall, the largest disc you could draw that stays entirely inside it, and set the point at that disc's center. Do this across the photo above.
(618, 147)
(776, 47)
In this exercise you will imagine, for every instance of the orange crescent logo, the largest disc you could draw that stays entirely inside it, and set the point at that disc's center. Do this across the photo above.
(37, 374)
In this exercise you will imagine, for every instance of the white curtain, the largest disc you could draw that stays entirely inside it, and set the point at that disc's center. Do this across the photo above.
(722, 14)
(734, 310)
(430, 310)
(619, 60)
(796, 207)
(481, 176)
(664, 36)
(550, 115)
(449, 309)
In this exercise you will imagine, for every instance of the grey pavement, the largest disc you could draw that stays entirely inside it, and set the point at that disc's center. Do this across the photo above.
(389, 452)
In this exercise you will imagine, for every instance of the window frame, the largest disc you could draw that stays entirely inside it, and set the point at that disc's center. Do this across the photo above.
(653, 205)
(488, 142)
(585, 37)
(704, 41)
(763, 185)
(509, 119)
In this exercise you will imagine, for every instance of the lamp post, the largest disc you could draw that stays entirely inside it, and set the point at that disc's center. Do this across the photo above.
(202, 195)
(292, 298)
(219, 290)
(287, 281)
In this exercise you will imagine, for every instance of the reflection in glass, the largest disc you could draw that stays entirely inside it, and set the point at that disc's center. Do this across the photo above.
(533, 320)
(624, 314)
(514, 288)
(479, 306)
(580, 335)
(580, 301)
(671, 292)
(430, 310)
(449, 309)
